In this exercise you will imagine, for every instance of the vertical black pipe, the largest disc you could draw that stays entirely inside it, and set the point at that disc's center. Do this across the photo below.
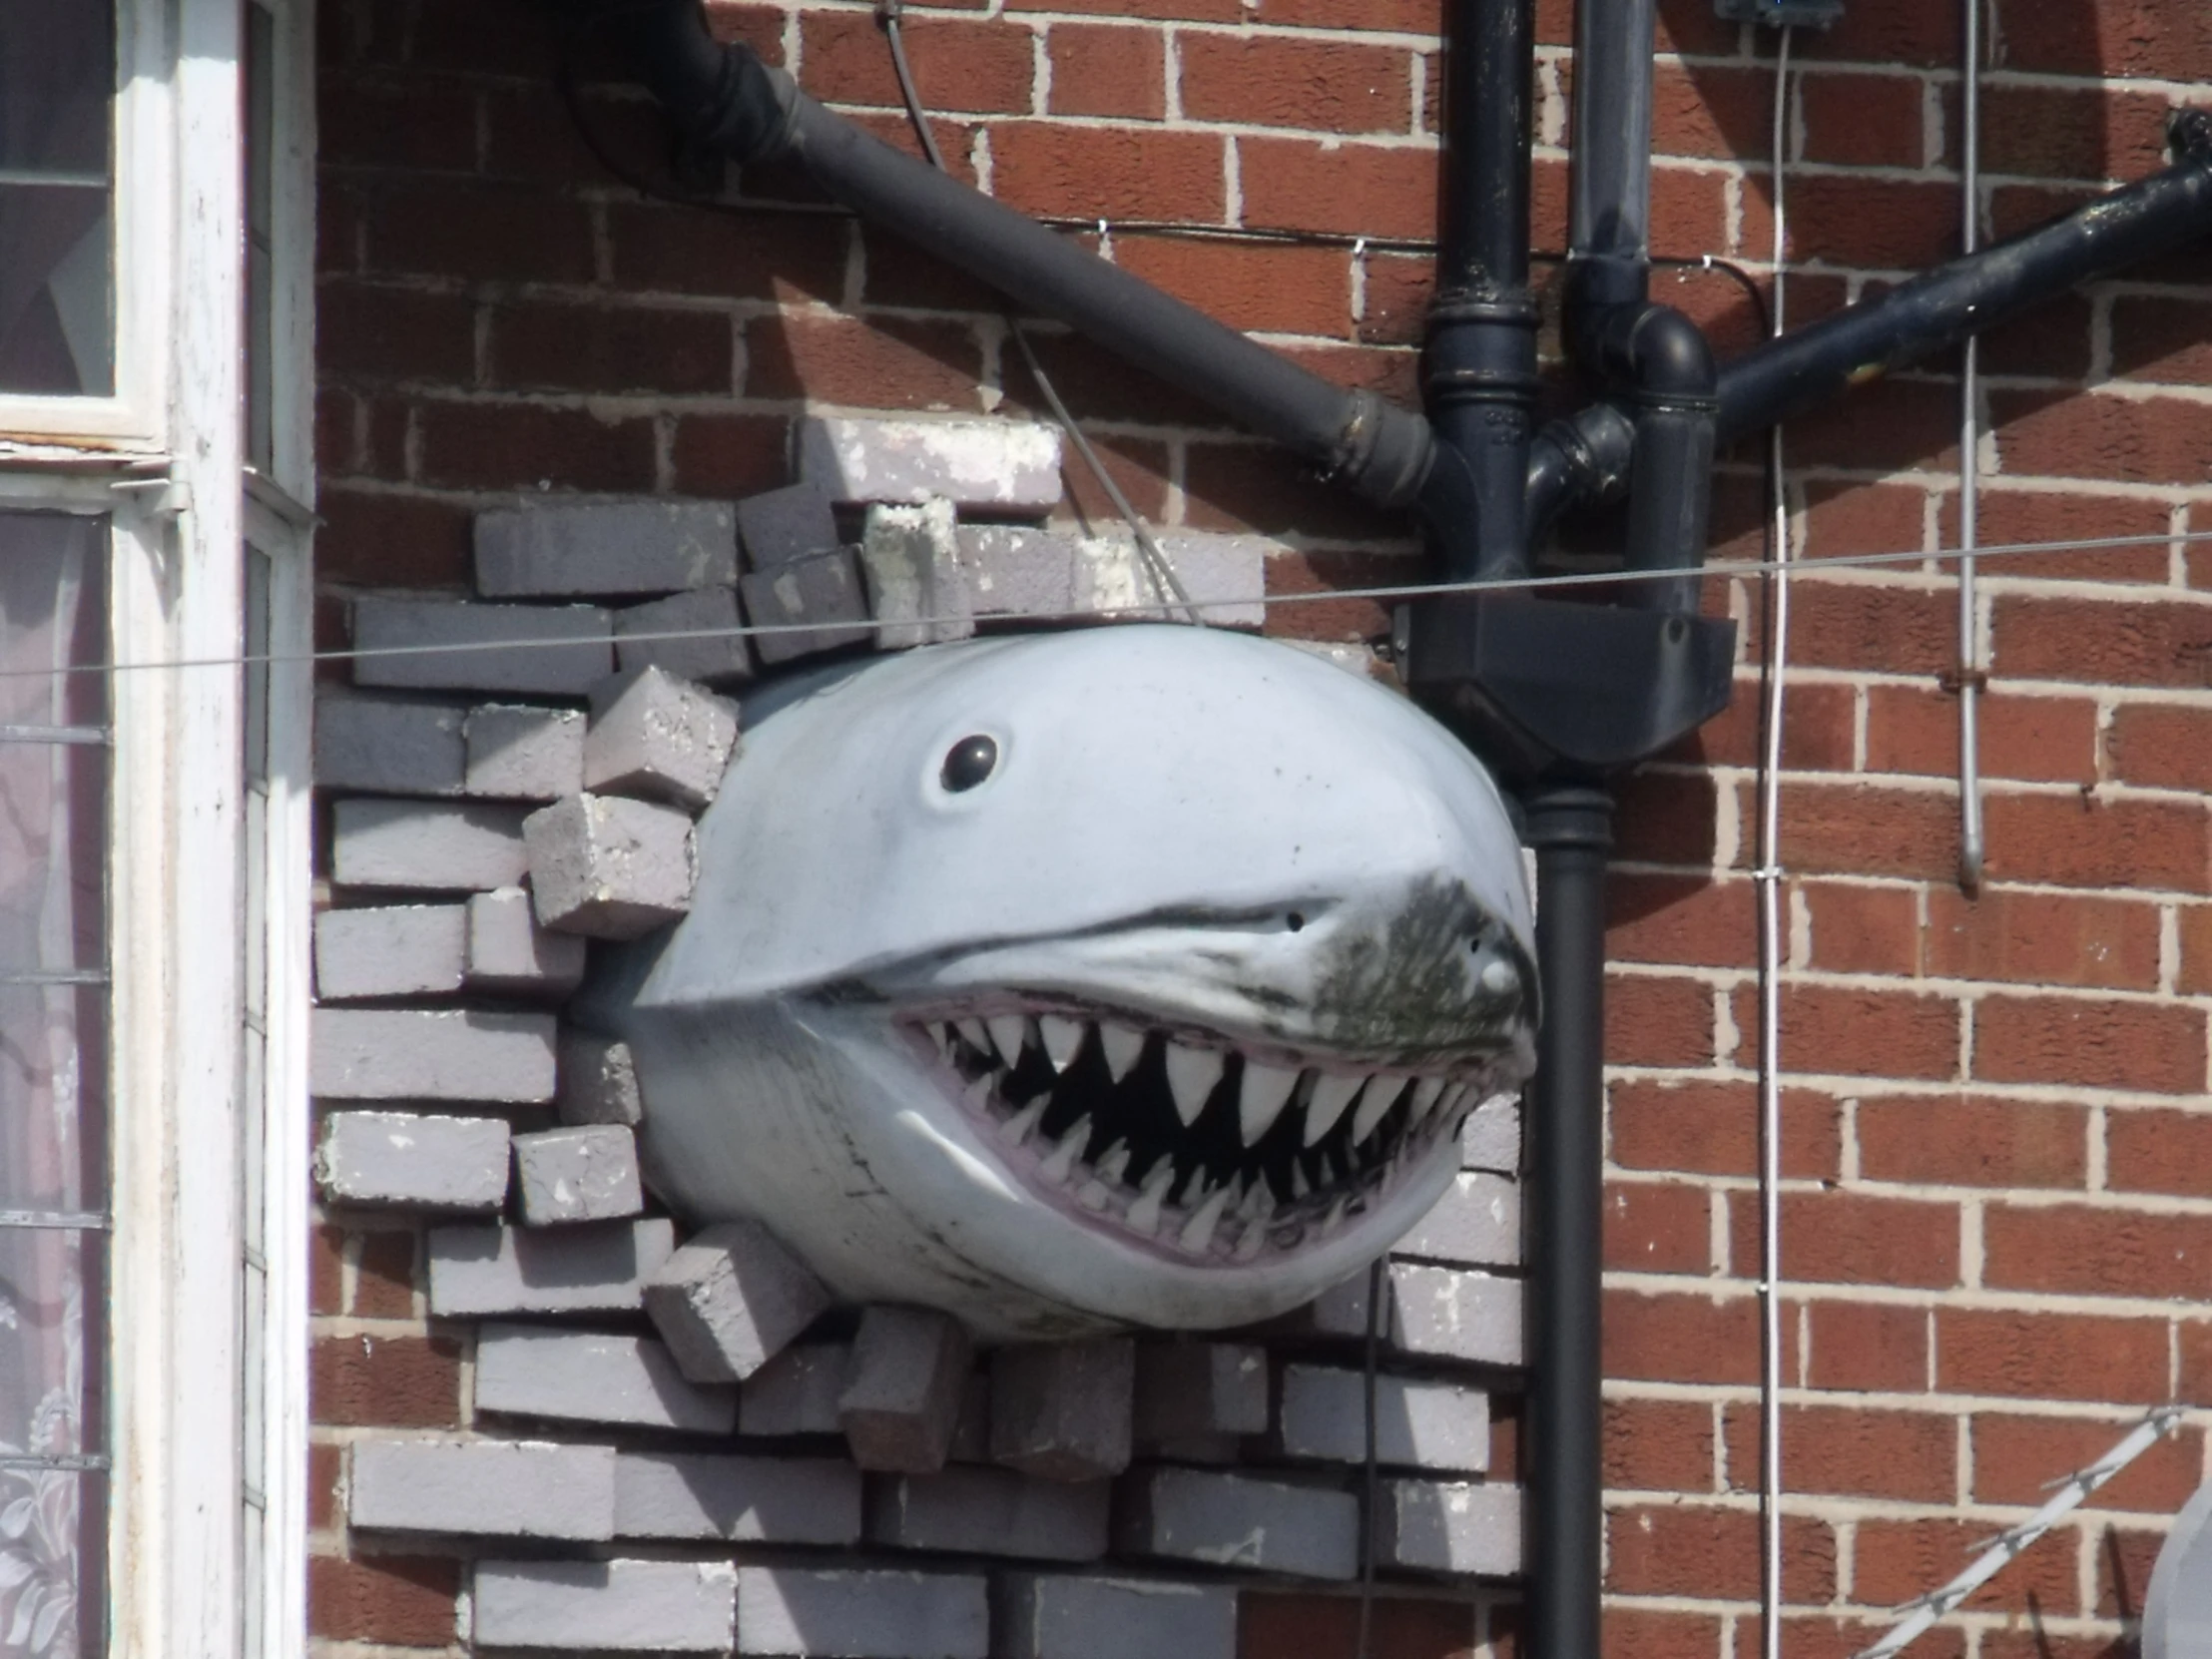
(1609, 180)
(1570, 828)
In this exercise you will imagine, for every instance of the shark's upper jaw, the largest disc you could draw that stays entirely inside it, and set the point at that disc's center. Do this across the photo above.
(1182, 1141)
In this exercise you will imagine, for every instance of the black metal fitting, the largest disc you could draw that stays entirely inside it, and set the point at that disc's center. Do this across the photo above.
(1479, 382)
(2189, 135)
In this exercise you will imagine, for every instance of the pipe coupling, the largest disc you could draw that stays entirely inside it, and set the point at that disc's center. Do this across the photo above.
(1383, 452)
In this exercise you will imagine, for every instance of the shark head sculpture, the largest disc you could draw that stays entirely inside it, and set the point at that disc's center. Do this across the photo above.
(1138, 976)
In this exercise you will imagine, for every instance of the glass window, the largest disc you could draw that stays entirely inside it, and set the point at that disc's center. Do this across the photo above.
(57, 189)
(54, 753)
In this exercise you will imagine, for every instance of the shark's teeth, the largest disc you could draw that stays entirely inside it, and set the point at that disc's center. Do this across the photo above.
(1192, 1074)
(1426, 1093)
(1144, 1214)
(1009, 1033)
(973, 1032)
(1116, 1161)
(1375, 1105)
(1062, 1160)
(1063, 1039)
(1333, 1092)
(1123, 1047)
(1197, 1236)
(1016, 1129)
(1260, 1097)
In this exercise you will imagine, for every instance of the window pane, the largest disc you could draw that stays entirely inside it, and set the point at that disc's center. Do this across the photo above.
(51, 1578)
(57, 174)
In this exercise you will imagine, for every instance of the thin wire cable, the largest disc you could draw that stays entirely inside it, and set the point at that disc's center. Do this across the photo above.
(1369, 1481)
(1971, 839)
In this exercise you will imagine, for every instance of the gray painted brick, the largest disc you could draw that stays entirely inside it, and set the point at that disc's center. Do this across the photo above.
(410, 844)
(730, 1300)
(659, 737)
(911, 564)
(509, 954)
(1450, 1527)
(971, 463)
(1441, 1314)
(1061, 1411)
(607, 868)
(511, 1488)
(1491, 1139)
(454, 645)
(392, 951)
(971, 1424)
(863, 1615)
(796, 1393)
(593, 1377)
(1011, 570)
(1056, 1616)
(606, 1606)
(1236, 1520)
(902, 1388)
(1188, 1391)
(387, 744)
(569, 547)
(437, 1163)
(821, 591)
(599, 1079)
(777, 526)
(773, 1500)
(476, 1271)
(1229, 571)
(582, 1174)
(716, 655)
(974, 1511)
(430, 1054)
(523, 753)
(1431, 1426)
(1476, 1223)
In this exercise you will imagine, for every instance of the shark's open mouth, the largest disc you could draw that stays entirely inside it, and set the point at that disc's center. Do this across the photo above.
(1183, 1140)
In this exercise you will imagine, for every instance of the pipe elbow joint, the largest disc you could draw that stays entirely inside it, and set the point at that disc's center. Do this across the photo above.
(1659, 353)
(721, 95)
(1383, 452)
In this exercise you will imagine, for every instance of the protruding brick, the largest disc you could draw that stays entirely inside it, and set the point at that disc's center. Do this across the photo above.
(387, 744)
(509, 1488)
(599, 1080)
(1454, 1527)
(863, 1615)
(1439, 1314)
(1491, 1138)
(452, 645)
(523, 753)
(407, 844)
(656, 736)
(1039, 1616)
(593, 1377)
(509, 954)
(1224, 575)
(436, 1163)
(476, 1271)
(730, 1300)
(608, 868)
(1186, 1391)
(778, 526)
(998, 464)
(1062, 1411)
(607, 1606)
(714, 654)
(1429, 1426)
(394, 950)
(430, 1054)
(1476, 1223)
(1012, 571)
(902, 1388)
(818, 595)
(796, 1392)
(974, 1511)
(581, 1174)
(915, 587)
(774, 1500)
(566, 547)
(1238, 1520)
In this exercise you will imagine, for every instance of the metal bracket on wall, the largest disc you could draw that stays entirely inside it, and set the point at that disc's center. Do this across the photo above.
(1781, 14)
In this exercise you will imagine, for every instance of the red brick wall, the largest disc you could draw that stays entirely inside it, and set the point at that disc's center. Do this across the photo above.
(1998, 1222)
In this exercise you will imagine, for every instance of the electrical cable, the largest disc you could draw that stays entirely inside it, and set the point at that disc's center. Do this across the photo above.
(1971, 839)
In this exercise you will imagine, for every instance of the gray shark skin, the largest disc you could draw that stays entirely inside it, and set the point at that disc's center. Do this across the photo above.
(1139, 976)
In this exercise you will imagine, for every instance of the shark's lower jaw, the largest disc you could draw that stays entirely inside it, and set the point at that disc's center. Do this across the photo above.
(1185, 1143)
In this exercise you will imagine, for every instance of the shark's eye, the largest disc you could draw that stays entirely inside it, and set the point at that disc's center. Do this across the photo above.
(968, 762)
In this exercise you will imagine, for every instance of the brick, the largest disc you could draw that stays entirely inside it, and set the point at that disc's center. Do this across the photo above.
(2164, 748)
(510, 1488)
(476, 1271)
(1859, 1031)
(1711, 1128)
(1696, 1550)
(1476, 1223)
(1652, 1228)
(599, 1080)
(385, 1382)
(384, 1280)
(995, 465)
(1091, 173)
(2097, 1252)
(579, 1174)
(390, 538)
(2129, 644)
(523, 753)
(1011, 570)
(902, 1388)
(780, 526)
(1658, 1022)
(911, 564)
(978, 1512)
(2149, 441)
(1681, 1337)
(2161, 337)
(1436, 1312)
(670, 248)
(2044, 739)
(728, 454)
(717, 655)
(507, 953)
(863, 1615)
(2077, 841)
(1892, 1558)
(1898, 630)
(1103, 70)
(1849, 1238)
(915, 363)
(1238, 1520)
(430, 1054)
(1452, 1527)
(608, 868)
(1186, 1390)
(1852, 1451)
(2043, 516)
(387, 746)
(809, 605)
(658, 737)
(2159, 1152)
(454, 645)
(437, 1163)
(1219, 573)
(1862, 929)
(1659, 1446)
(1491, 1139)
(2196, 949)
(1862, 119)
(796, 1393)
(1326, 1625)
(2116, 1045)
(559, 345)
(2017, 1457)
(563, 548)
(1680, 921)
(730, 1300)
(1062, 1411)
(1973, 1141)
(406, 843)
(1426, 1425)
(773, 1500)
(965, 64)
(2050, 1356)
(606, 1606)
(593, 1377)
(372, 334)
(1041, 1617)
(2043, 938)
(401, 1600)
(400, 950)
(1876, 1348)
(1334, 86)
